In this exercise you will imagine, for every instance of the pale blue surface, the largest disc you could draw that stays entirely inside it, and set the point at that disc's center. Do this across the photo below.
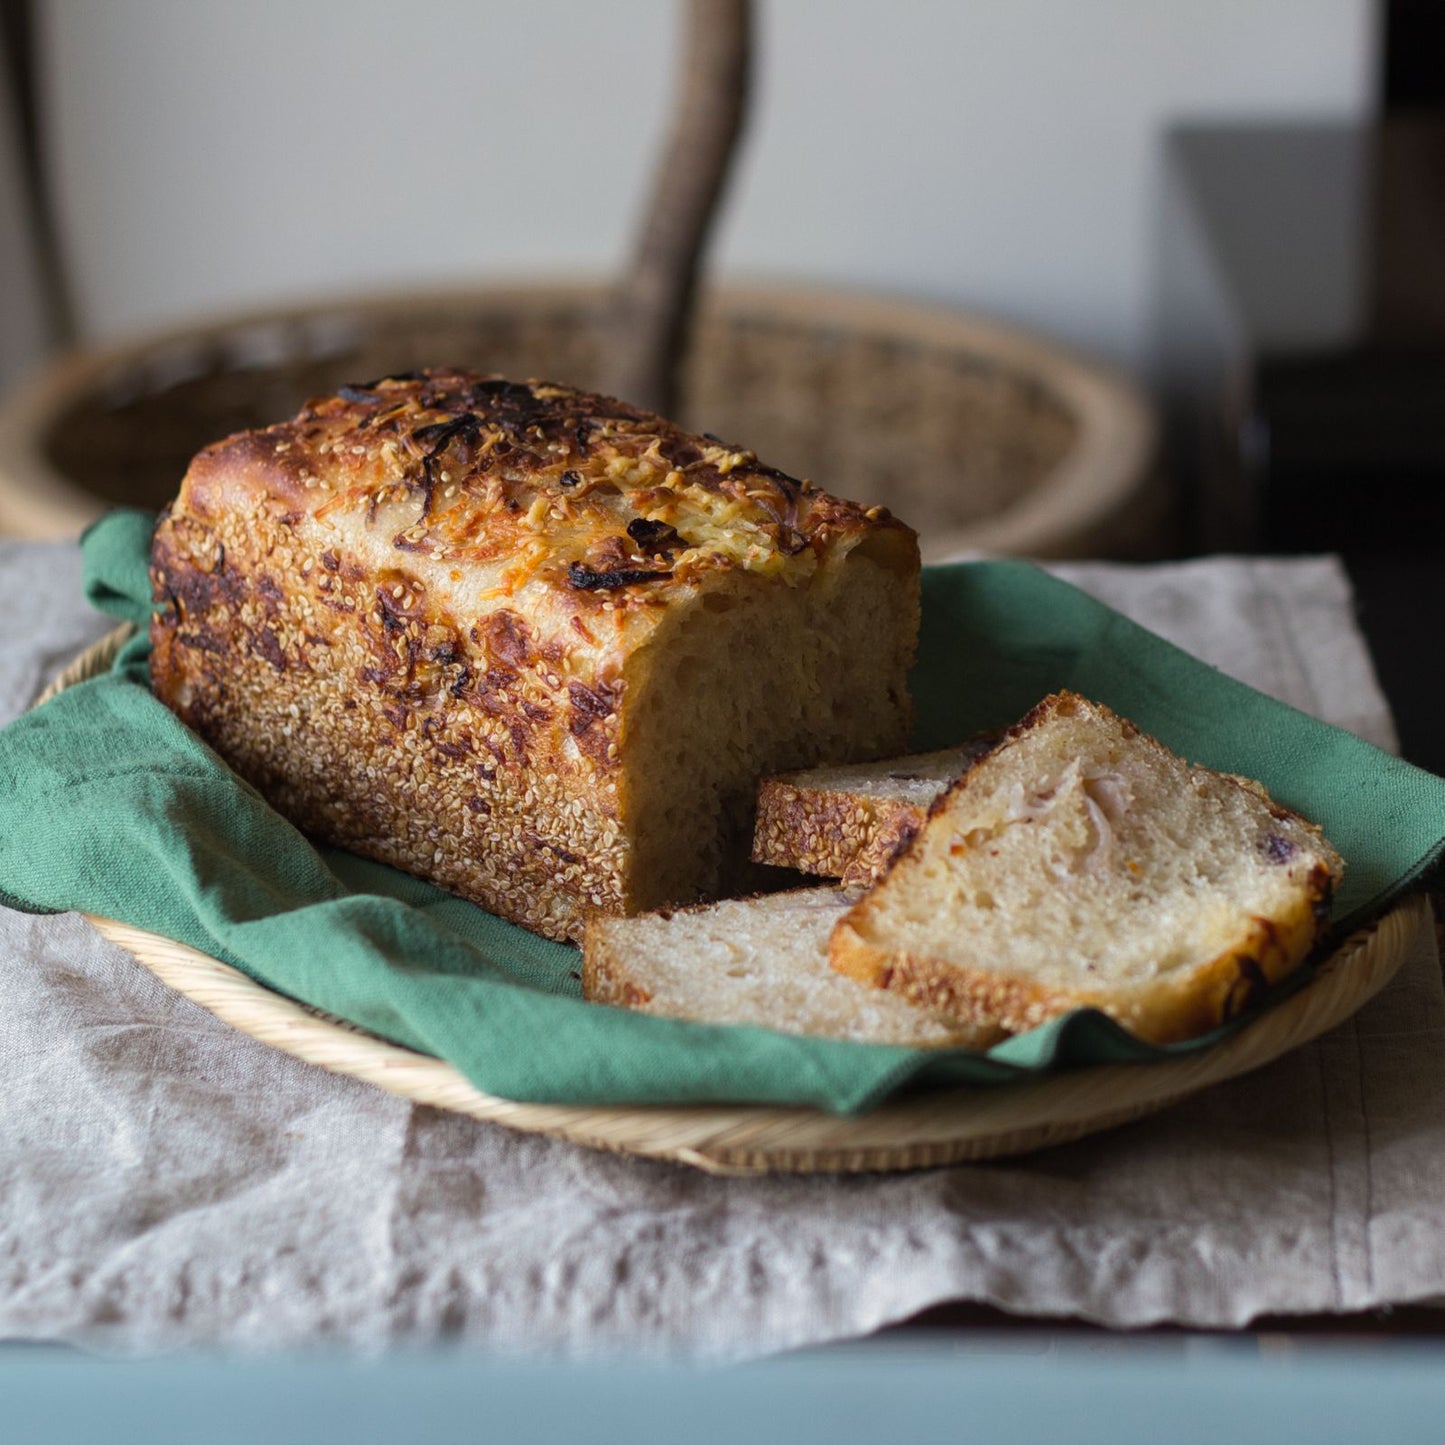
(1116, 1393)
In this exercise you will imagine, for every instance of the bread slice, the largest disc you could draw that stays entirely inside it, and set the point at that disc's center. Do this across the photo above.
(754, 961)
(849, 822)
(1083, 864)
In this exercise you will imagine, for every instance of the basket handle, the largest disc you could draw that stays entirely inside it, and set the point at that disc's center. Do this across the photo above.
(655, 302)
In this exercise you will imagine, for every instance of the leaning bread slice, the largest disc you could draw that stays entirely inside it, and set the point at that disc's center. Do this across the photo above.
(754, 961)
(1082, 864)
(849, 822)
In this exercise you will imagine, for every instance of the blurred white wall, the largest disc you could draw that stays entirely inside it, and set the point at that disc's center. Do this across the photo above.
(1002, 154)
(24, 325)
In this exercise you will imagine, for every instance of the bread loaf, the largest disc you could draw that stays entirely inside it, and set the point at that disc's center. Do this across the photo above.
(849, 822)
(757, 961)
(1082, 864)
(532, 644)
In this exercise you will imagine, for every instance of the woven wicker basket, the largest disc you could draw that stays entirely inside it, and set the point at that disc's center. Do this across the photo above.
(981, 437)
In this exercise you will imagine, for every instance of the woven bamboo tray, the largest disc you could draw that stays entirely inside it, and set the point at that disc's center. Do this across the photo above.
(943, 1127)
(979, 435)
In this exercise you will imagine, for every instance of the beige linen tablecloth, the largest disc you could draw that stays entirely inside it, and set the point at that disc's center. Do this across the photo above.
(169, 1183)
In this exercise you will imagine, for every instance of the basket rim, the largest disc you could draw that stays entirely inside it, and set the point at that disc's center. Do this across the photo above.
(1116, 435)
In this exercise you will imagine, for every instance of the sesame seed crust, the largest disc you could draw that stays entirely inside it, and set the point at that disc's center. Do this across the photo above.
(850, 823)
(388, 731)
(828, 833)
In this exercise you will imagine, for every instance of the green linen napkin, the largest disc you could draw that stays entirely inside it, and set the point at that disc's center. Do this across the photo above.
(109, 805)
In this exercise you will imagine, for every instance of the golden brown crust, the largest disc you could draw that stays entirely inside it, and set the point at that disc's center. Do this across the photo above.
(407, 616)
(1181, 1008)
(610, 505)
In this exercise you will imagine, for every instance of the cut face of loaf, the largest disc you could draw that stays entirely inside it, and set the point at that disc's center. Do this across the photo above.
(1083, 864)
(849, 822)
(760, 961)
(532, 644)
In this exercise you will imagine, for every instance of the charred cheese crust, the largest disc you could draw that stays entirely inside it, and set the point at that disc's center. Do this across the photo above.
(422, 616)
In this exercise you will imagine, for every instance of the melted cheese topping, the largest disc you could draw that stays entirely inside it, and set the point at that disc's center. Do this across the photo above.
(534, 482)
